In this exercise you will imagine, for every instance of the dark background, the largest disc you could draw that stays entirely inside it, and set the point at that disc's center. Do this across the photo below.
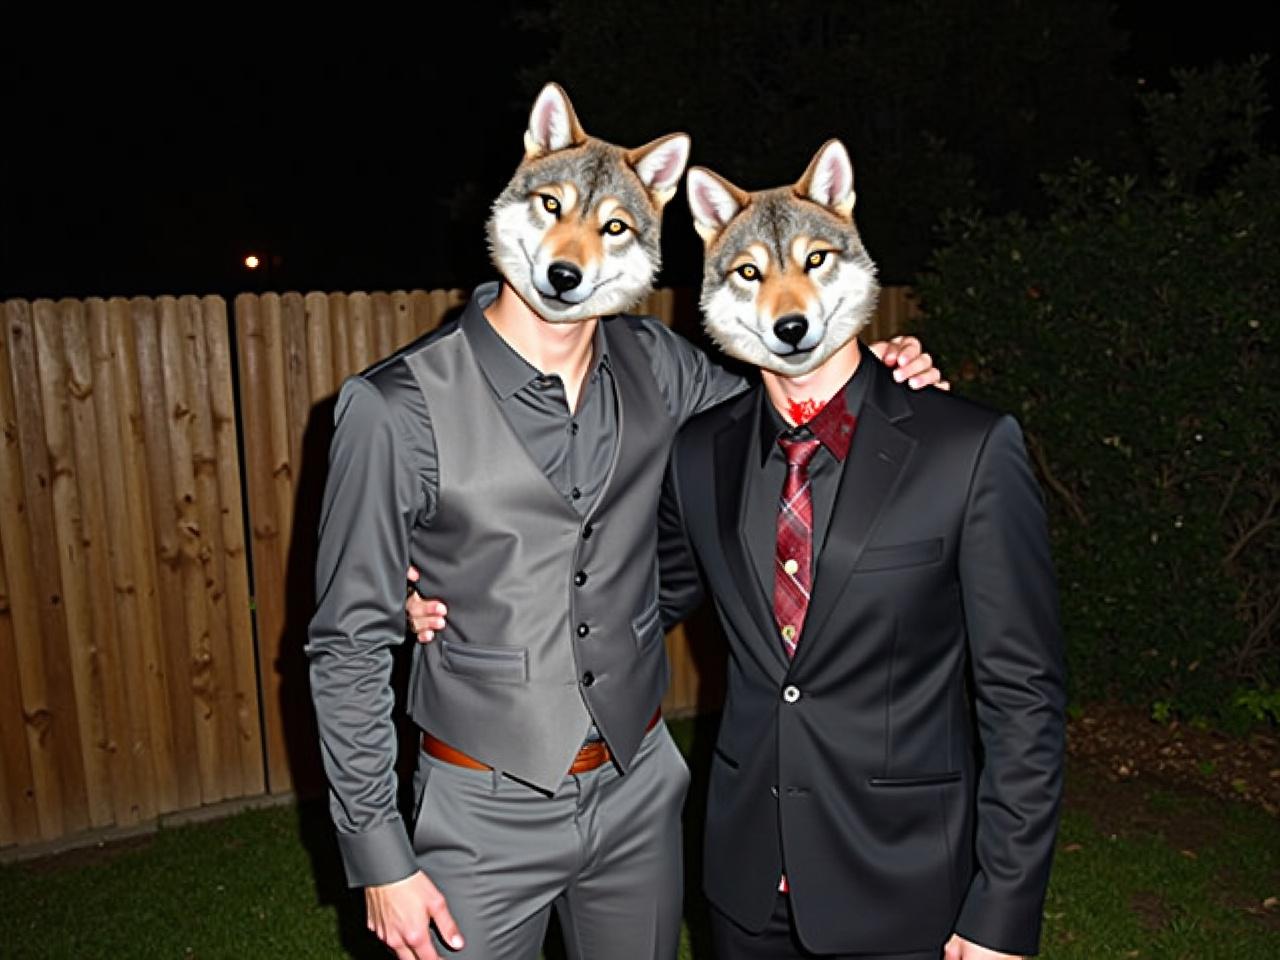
(151, 157)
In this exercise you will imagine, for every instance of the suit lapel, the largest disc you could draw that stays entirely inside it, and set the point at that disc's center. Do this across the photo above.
(732, 448)
(876, 460)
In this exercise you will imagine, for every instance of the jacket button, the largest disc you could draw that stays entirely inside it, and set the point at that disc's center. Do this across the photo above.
(575, 493)
(583, 629)
(791, 694)
(774, 789)
(587, 531)
(580, 578)
(588, 678)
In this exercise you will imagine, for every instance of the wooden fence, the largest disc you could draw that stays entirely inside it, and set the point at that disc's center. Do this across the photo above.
(128, 686)
(140, 672)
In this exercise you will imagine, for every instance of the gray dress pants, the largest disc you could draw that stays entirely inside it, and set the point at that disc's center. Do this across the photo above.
(605, 851)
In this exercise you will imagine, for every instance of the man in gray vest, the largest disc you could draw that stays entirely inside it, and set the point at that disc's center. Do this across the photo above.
(516, 458)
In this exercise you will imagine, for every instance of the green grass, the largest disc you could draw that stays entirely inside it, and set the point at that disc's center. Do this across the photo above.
(1186, 876)
(1139, 874)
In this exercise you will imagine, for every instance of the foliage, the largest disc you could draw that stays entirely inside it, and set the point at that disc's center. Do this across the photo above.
(1133, 331)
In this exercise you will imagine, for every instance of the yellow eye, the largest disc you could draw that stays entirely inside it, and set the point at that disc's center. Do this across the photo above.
(816, 259)
(615, 228)
(748, 271)
(551, 205)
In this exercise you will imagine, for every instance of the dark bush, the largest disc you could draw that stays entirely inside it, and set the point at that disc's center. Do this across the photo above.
(1134, 334)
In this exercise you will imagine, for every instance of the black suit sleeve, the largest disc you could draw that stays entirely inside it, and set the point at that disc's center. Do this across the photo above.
(680, 589)
(1011, 612)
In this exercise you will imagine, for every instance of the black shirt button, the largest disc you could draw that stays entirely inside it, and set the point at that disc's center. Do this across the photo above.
(580, 578)
(583, 629)
(588, 678)
(574, 429)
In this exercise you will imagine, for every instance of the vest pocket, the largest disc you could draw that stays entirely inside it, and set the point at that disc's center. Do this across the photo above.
(492, 664)
(647, 627)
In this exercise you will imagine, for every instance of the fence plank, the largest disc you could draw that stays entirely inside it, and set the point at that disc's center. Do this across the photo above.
(403, 330)
(384, 334)
(244, 675)
(340, 330)
(118, 589)
(205, 540)
(201, 673)
(166, 549)
(97, 575)
(265, 528)
(148, 668)
(19, 821)
(22, 684)
(297, 385)
(319, 347)
(422, 313)
(67, 519)
(281, 466)
(53, 724)
(360, 318)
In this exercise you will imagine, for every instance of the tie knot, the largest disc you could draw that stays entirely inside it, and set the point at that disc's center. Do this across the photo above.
(799, 452)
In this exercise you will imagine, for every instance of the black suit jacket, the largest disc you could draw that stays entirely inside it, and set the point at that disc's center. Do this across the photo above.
(904, 770)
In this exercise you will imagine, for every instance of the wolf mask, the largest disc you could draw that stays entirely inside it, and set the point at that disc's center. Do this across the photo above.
(576, 231)
(786, 279)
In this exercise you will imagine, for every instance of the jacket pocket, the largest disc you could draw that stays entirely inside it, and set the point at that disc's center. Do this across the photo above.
(899, 555)
(727, 760)
(927, 781)
(491, 664)
(647, 627)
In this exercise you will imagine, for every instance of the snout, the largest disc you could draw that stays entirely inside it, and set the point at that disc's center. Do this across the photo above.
(791, 329)
(563, 276)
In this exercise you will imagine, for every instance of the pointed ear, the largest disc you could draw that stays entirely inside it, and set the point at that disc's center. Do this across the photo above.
(829, 179)
(714, 202)
(552, 124)
(660, 164)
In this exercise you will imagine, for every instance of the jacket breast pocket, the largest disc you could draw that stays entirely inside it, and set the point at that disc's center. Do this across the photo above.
(899, 555)
(490, 664)
(647, 627)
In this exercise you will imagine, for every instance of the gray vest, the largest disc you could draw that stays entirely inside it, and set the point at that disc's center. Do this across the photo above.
(553, 617)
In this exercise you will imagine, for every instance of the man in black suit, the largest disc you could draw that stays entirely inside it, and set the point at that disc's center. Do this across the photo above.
(888, 769)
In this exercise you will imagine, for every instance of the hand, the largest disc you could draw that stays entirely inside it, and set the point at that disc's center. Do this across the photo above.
(401, 915)
(958, 948)
(905, 356)
(426, 617)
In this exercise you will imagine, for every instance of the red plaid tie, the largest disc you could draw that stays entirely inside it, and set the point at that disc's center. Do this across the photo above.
(793, 573)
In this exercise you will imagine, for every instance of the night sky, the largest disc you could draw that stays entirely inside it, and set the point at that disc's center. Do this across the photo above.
(352, 159)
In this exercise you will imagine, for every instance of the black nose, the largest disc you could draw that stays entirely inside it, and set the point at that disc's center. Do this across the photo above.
(564, 276)
(791, 328)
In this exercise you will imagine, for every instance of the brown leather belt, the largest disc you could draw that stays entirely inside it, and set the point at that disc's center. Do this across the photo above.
(592, 755)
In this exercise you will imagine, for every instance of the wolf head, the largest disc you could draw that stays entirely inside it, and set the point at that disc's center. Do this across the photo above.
(576, 231)
(786, 281)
